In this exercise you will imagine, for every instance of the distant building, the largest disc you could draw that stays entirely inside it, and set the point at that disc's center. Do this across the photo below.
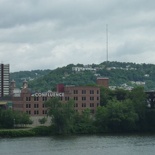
(78, 69)
(4, 80)
(85, 97)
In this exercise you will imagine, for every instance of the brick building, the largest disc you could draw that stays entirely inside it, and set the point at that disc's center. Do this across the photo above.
(83, 96)
(33, 103)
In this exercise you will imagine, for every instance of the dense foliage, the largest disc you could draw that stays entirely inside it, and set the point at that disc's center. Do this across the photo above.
(20, 76)
(118, 72)
(17, 133)
(12, 119)
(123, 111)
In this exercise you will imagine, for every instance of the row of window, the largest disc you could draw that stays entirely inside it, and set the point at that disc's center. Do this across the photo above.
(84, 105)
(84, 91)
(36, 112)
(66, 98)
(83, 98)
(36, 98)
(76, 105)
(35, 105)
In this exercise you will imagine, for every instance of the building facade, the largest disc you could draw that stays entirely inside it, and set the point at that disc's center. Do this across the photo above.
(84, 97)
(4, 80)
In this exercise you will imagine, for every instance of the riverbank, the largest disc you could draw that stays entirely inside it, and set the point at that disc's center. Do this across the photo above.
(47, 131)
(25, 132)
(10, 133)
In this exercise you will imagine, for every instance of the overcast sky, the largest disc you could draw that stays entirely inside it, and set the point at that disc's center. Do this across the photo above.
(46, 34)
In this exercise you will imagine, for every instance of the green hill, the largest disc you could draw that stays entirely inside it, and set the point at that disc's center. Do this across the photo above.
(120, 74)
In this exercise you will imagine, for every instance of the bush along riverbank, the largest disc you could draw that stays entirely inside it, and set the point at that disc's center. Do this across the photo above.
(37, 131)
(50, 131)
(10, 133)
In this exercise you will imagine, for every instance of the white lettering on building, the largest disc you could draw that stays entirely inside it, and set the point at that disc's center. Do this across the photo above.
(49, 94)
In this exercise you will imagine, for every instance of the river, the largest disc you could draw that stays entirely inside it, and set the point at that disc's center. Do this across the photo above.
(80, 145)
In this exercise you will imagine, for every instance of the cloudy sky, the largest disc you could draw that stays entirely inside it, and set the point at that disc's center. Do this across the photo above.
(46, 34)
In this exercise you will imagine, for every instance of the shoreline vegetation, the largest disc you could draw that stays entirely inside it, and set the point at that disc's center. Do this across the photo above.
(120, 112)
(44, 131)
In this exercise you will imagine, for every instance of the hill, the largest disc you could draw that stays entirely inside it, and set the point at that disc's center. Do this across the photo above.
(120, 74)
(19, 77)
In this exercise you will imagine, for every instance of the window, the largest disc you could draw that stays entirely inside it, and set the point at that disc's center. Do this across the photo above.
(75, 91)
(75, 105)
(91, 98)
(97, 91)
(97, 98)
(91, 91)
(75, 98)
(28, 105)
(91, 104)
(83, 91)
(83, 98)
(44, 98)
(98, 104)
(44, 112)
(36, 105)
(83, 104)
(66, 98)
(43, 105)
(28, 98)
(36, 98)
(36, 112)
(28, 112)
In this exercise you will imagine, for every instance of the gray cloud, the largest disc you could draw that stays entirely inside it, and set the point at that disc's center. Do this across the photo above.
(37, 34)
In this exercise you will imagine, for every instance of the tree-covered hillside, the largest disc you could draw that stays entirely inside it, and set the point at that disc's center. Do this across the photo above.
(19, 77)
(119, 74)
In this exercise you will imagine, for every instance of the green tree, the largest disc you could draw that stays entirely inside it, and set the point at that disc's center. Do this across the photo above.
(116, 116)
(83, 122)
(43, 120)
(62, 115)
(101, 119)
(10, 118)
(105, 95)
(121, 115)
(138, 97)
(121, 94)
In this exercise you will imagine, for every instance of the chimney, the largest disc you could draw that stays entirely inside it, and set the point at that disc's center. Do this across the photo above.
(103, 82)
(60, 88)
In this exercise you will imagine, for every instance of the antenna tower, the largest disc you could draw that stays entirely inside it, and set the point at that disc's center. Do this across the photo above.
(107, 41)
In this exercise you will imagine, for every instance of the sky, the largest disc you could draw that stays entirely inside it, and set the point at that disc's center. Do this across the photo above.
(46, 34)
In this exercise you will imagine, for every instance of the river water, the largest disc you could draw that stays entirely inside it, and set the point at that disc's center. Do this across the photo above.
(80, 145)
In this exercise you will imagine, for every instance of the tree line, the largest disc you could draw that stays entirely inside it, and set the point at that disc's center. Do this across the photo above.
(120, 111)
(12, 119)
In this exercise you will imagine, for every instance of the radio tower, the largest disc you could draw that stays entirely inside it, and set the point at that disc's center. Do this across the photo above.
(107, 41)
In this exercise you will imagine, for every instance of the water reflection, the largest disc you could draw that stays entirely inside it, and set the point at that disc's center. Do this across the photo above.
(90, 145)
